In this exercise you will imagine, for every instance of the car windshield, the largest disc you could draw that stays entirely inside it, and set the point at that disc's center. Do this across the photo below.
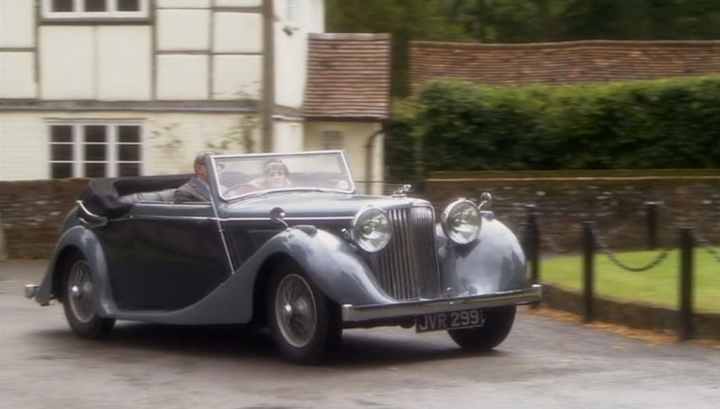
(242, 175)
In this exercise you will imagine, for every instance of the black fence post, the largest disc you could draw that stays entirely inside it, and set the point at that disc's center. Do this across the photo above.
(651, 220)
(685, 329)
(532, 245)
(588, 243)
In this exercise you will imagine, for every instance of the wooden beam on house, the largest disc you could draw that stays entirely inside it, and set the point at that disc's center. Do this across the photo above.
(268, 82)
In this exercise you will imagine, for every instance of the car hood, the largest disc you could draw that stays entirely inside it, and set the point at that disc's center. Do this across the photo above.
(312, 205)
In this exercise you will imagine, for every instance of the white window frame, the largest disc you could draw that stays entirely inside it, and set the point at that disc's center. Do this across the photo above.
(111, 14)
(112, 142)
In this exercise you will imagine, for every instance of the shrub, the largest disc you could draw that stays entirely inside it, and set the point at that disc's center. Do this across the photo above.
(628, 125)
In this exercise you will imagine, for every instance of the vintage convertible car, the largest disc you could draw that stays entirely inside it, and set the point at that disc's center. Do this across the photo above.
(306, 257)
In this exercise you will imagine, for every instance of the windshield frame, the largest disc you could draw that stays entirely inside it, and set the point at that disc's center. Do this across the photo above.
(216, 180)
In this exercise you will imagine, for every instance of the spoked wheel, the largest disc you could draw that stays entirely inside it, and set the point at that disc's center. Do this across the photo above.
(498, 323)
(304, 323)
(80, 302)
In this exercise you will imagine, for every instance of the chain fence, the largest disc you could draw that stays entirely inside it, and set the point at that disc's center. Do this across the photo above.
(706, 245)
(605, 249)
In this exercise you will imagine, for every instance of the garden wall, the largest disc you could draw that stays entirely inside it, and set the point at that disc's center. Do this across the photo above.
(614, 199)
(31, 213)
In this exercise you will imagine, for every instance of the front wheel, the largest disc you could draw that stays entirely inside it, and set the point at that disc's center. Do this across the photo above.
(498, 323)
(80, 302)
(304, 323)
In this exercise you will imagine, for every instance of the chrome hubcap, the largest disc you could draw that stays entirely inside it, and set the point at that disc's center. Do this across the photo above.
(295, 310)
(81, 299)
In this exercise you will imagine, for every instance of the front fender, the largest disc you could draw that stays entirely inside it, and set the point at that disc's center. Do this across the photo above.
(494, 262)
(81, 240)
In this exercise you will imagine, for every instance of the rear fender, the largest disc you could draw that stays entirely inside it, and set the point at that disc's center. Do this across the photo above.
(78, 239)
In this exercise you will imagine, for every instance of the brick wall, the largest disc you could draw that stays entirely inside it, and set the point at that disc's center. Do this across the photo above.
(31, 214)
(613, 200)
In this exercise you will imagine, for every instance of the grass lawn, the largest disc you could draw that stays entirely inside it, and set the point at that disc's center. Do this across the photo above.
(658, 286)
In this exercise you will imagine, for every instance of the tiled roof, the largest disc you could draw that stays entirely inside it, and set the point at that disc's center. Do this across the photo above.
(348, 76)
(562, 63)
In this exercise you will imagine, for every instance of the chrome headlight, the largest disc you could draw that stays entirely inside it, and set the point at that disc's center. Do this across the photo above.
(461, 221)
(371, 229)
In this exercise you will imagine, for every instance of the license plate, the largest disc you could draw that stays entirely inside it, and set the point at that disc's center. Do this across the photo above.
(449, 320)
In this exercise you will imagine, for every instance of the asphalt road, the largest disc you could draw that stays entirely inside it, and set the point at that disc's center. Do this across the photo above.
(544, 364)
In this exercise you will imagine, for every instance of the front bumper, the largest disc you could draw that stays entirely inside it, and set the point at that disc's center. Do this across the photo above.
(360, 313)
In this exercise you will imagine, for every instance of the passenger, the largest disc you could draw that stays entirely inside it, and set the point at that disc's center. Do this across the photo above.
(197, 188)
(275, 176)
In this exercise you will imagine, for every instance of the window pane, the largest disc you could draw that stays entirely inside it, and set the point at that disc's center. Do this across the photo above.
(62, 5)
(95, 170)
(95, 5)
(129, 169)
(95, 152)
(129, 153)
(61, 170)
(95, 133)
(61, 152)
(128, 5)
(128, 133)
(61, 133)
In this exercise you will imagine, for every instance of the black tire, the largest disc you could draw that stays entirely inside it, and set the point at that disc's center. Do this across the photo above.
(498, 323)
(82, 315)
(306, 343)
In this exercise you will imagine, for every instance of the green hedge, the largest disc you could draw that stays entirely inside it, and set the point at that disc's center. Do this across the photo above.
(632, 125)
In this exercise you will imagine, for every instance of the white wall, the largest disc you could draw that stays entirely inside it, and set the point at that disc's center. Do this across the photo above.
(24, 147)
(17, 75)
(24, 140)
(288, 136)
(291, 50)
(237, 76)
(104, 62)
(183, 29)
(355, 137)
(17, 23)
(182, 77)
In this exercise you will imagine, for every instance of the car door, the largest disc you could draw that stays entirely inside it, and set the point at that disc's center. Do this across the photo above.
(165, 256)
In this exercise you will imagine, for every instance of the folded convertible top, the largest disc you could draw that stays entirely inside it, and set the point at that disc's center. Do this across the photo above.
(103, 195)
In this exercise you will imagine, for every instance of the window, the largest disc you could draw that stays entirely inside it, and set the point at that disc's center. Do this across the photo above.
(95, 150)
(331, 140)
(94, 9)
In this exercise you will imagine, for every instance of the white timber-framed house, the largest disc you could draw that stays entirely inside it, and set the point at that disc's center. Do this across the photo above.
(102, 88)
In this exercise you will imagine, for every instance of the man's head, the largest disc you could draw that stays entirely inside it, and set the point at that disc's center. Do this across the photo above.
(199, 166)
(276, 173)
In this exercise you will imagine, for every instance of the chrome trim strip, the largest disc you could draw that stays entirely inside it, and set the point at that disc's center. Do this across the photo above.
(360, 313)
(233, 219)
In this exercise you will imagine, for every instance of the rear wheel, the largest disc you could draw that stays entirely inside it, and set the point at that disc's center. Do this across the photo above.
(80, 301)
(498, 323)
(304, 323)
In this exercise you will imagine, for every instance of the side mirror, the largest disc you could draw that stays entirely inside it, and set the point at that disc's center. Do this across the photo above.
(277, 215)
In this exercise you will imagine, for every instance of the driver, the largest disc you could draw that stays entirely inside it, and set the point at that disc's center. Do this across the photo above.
(197, 188)
(275, 175)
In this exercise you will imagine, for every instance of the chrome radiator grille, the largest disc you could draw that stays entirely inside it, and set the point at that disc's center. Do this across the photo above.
(407, 267)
